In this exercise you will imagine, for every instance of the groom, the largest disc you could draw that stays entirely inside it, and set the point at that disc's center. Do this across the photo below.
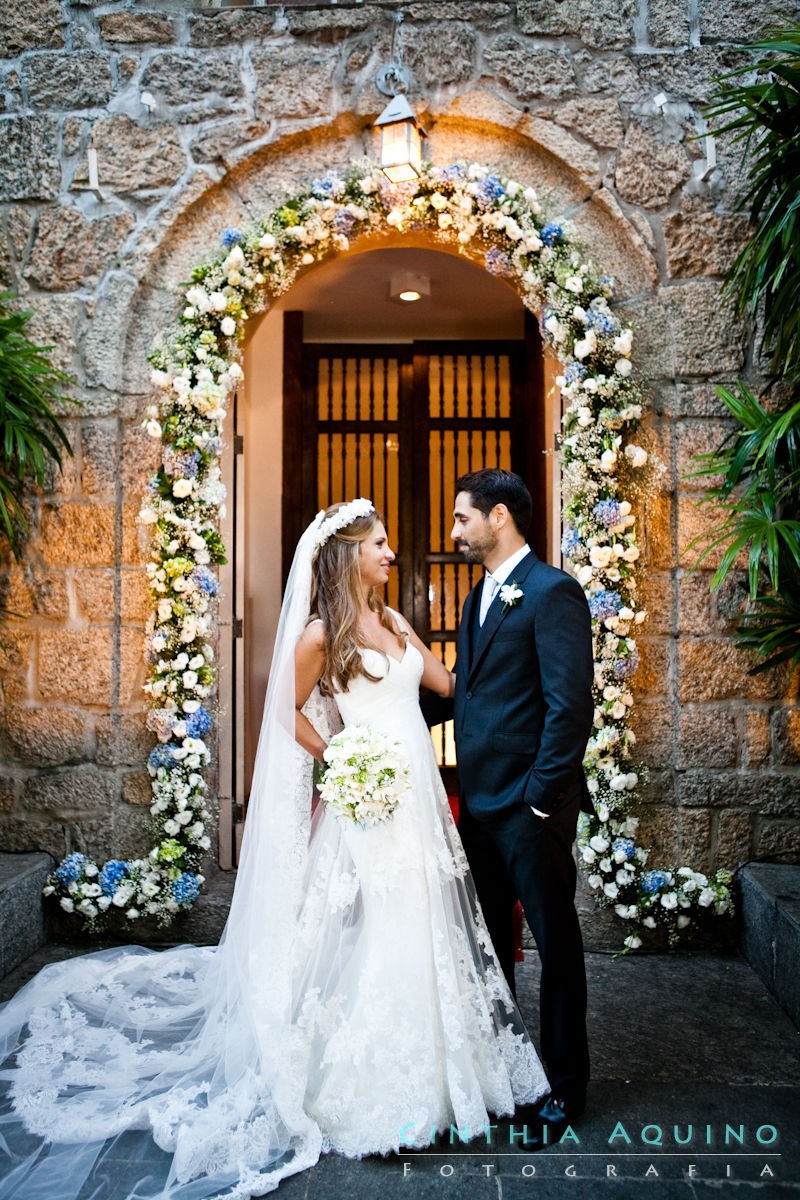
(523, 713)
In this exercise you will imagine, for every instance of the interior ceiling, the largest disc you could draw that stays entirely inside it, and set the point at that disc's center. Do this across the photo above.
(347, 299)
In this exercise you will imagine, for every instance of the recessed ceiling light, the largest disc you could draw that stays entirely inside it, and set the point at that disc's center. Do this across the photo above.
(407, 287)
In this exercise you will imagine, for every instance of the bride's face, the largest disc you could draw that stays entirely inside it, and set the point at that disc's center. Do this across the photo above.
(375, 557)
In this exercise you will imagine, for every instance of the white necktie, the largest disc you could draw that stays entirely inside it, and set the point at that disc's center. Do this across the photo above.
(490, 586)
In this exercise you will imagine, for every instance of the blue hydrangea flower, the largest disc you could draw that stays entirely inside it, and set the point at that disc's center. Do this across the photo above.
(604, 604)
(654, 881)
(450, 174)
(71, 868)
(343, 222)
(489, 191)
(570, 541)
(231, 237)
(574, 373)
(327, 188)
(607, 513)
(161, 756)
(624, 668)
(625, 845)
(601, 322)
(498, 263)
(198, 723)
(180, 464)
(205, 579)
(185, 888)
(112, 872)
(551, 233)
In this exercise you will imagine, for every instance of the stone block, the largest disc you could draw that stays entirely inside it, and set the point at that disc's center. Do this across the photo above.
(292, 81)
(103, 347)
(32, 589)
(196, 84)
(122, 740)
(55, 323)
(607, 23)
(735, 21)
(668, 23)
(652, 722)
(10, 788)
(694, 838)
(714, 669)
(135, 551)
(482, 14)
(699, 436)
(47, 736)
(440, 53)
(77, 534)
(595, 118)
(653, 341)
(734, 838)
(329, 25)
(655, 596)
(688, 76)
(22, 927)
(70, 792)
(707, 738)
(226, 27)
(95, 594)
(615, 75)
(658, 831)
(648, 170)
(787, 952)
(222, 140)
(70, 250)
(131, 28)
(696, 399)
(652, 676)
(777, 838)
(36, 24)
(16, 651)
(29, 153)
(757, 738)
(786, 736)
(76, 665)
(702, 243)
(132, 669)
(655, 530)
(135, 604)
(136, 789)
(141, 456)
(697, 523)
(527, 71)
(21, 835)
(707, 789)
(132, 158)
(99, 466)
(132, 837)
(80, 79)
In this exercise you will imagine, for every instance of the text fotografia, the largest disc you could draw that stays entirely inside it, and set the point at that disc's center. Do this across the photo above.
(723, 1137)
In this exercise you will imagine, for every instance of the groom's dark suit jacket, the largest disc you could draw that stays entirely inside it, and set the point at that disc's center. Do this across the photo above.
(523, 707)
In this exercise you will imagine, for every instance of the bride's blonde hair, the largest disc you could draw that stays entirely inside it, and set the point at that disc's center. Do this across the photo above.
(335, 597)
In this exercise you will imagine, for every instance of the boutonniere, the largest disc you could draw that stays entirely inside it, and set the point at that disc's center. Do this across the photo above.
(510, 594)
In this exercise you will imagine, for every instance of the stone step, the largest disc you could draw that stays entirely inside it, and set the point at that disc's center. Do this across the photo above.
(22, 922)
(770, 929)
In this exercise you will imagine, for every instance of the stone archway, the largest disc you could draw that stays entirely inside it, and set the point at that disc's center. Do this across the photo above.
(475, 125)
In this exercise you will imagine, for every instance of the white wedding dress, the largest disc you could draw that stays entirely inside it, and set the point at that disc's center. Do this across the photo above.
(393, 1018)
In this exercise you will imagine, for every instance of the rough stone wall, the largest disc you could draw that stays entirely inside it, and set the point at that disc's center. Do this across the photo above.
(250, 99)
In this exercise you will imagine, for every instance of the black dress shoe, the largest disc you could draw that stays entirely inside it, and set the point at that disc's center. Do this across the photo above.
(560, 1110)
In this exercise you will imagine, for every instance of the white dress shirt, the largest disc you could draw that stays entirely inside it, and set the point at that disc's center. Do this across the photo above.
(494, 580)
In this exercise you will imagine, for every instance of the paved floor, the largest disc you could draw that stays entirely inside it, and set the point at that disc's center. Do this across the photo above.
(695, 1096)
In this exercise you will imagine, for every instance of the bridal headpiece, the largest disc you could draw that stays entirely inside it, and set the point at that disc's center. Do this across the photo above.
(341, 519)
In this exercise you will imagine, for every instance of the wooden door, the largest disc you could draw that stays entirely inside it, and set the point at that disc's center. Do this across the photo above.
(399, 424)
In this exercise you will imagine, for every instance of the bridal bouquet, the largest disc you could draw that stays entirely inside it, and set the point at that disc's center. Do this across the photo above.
(365, 777)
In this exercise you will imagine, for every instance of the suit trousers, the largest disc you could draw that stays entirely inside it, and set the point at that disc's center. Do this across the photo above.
(513, 854)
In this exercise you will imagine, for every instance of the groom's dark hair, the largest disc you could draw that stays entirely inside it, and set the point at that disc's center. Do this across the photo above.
(492, 486)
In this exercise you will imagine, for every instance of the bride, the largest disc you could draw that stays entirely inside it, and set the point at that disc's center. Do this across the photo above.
(354, 1004)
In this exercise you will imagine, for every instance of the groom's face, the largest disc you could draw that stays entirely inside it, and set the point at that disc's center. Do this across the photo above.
(473, 533)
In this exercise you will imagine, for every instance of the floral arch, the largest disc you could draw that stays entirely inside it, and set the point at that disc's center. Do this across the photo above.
(498, 223)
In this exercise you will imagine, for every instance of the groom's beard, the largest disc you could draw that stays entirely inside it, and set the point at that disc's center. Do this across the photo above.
(477, 550)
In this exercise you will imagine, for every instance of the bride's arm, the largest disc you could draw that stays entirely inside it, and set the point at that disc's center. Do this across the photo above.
(309, 660)
(435, 675)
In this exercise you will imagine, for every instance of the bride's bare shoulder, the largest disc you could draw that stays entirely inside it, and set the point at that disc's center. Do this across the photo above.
(313, 636)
